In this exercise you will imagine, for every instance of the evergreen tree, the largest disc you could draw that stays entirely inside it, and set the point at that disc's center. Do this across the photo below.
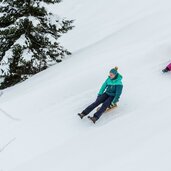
(28, 39)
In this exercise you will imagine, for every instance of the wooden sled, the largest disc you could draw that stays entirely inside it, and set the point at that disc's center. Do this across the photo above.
(109, 109)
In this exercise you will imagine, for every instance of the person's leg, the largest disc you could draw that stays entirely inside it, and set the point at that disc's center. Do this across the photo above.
(169, 67)
(98, 101)
(103, 108)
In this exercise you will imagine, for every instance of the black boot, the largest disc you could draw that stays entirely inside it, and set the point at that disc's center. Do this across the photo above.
(165, 70)
(81, 115)
(93, 119)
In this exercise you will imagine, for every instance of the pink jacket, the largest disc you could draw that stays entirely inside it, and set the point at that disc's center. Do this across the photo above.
(169, 66)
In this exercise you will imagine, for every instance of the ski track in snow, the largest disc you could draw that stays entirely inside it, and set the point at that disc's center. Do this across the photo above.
(6, 145)
(8, 115)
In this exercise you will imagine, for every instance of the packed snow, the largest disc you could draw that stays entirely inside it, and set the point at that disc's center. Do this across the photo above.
(39, 126)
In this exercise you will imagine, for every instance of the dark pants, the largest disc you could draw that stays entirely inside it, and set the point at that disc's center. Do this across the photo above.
(105, 99)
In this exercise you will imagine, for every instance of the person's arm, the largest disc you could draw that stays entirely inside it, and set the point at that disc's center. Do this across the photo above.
(118, 94)
(102, 89)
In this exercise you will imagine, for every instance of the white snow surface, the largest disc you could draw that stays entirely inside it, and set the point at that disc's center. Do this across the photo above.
(39, 126)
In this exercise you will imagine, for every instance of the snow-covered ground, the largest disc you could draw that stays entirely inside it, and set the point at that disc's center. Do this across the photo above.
(39, 127)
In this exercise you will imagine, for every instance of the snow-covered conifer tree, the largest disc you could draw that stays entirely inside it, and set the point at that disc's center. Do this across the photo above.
(29, 36)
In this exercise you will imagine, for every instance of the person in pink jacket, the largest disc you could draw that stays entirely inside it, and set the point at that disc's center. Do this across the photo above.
(167, 69)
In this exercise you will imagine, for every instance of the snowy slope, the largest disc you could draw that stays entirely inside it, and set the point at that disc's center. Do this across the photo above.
(39, 129)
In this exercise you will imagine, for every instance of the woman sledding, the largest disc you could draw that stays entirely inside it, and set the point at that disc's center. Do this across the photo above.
(108, 95)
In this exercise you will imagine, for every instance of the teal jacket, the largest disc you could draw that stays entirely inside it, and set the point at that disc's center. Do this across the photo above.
(112, 87)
